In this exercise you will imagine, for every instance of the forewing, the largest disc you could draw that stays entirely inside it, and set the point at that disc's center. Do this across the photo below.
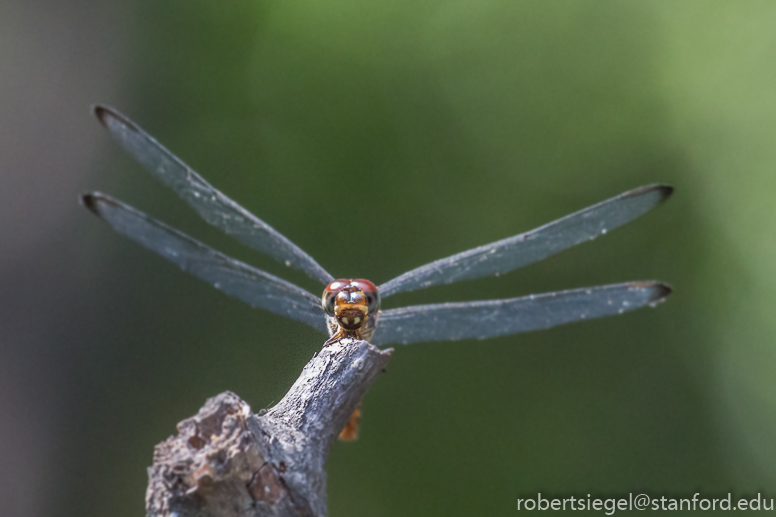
(235, 278)
(216, 208)
(511, 253)
(490, 318)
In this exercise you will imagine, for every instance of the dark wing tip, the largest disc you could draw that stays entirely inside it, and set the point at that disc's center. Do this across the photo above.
(664, 191)
(658, 291)
(102, 113)
(105, 114)
(90, 202)
(93, 201)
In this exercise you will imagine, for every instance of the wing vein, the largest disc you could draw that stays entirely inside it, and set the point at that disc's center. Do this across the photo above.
(251, 285)
(490, 318)
(211, 204)
(521, 250)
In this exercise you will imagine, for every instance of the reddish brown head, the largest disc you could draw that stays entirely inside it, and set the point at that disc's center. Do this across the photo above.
(351, 301)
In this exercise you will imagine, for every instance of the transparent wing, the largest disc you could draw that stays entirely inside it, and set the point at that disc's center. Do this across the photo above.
(511, 253)
(216, 208)
(235, 278)
(490, 318)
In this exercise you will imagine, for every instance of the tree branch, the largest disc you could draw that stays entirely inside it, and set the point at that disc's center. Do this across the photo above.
(228, 462)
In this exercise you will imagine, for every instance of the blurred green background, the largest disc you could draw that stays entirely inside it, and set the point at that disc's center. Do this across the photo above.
(442, 125)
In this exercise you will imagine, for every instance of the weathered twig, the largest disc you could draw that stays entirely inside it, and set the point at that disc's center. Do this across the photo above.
(228, 462)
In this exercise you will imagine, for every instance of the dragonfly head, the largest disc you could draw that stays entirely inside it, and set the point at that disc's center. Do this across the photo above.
(351, 302)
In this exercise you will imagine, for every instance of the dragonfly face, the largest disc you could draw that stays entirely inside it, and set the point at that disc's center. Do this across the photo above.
(353, 304)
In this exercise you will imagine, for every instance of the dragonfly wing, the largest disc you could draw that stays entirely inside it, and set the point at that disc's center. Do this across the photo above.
(235, 278)
(511, 253)
(490, 318)
(216, 208)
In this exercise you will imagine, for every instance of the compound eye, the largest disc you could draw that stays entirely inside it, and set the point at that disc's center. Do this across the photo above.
(372, 302)
(327, 301)
(330, 294)
(370, 291)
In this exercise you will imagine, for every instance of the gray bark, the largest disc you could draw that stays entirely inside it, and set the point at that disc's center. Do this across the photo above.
(228, 462)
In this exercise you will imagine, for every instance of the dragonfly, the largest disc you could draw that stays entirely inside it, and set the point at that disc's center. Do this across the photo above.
(350, 307)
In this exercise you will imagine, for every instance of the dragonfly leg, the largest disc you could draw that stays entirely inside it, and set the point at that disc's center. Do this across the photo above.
(342, 333)
(333, 339)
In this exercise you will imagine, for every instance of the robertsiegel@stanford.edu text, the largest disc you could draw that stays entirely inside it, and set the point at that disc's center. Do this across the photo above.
(645, 502)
